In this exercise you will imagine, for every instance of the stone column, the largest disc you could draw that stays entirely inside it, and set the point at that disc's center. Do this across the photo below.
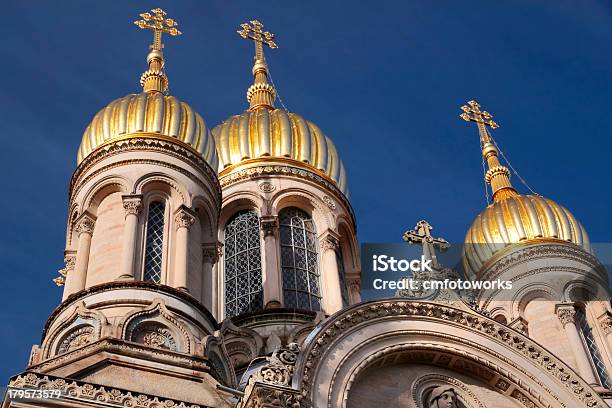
(354, 289)
(184, 219)
(332, 293)
(75, 279)
(567, 315)
(132, 205)
(210, 256)
(271, 270)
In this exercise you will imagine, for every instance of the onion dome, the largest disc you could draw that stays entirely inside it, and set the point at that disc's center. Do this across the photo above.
(266, 134)
(512, 218)
(153, 113)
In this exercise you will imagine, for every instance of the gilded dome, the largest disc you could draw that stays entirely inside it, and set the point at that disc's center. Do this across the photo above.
(149, 114)
(273, 134)
(518, 219)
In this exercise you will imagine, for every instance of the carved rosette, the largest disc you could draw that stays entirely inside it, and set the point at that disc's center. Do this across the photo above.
(155, 335)
(330, 203)
(566, 314)
(132, 205)
(268, 225)
(184, 218)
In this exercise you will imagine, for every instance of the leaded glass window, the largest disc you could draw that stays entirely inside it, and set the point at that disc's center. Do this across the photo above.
(299, 260)
(589, 341)
(242, 263)
(154, 242)
(342, 277)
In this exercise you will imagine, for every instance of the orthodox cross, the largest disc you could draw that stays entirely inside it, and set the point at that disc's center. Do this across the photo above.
(421, 234)
(472, 113)
(158, 23)
(260, 37)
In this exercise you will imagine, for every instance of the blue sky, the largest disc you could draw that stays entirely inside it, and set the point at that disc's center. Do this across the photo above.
(384, 79)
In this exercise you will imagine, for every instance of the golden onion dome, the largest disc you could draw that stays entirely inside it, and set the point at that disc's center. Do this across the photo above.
(269, 135)
(266, 134)
(519, 219)
(512, 218)
(150, 114)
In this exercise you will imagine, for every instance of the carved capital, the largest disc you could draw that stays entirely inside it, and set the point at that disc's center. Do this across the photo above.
(521, 325)
(184, 217)
(132, 204)
(329, 241)
(566, 312)
(605, 321)
(268, 225)
(85, 224)
(211, 252)
(354, 285)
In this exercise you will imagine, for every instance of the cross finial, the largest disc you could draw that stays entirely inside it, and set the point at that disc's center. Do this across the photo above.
(421, 234)
(154, 79)
(261, 94)
(158, 23)
(472, 113)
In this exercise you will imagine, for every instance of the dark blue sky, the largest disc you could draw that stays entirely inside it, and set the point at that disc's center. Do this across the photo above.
(384, 79)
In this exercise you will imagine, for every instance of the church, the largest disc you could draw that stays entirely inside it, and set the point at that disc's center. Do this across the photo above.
(217, 265)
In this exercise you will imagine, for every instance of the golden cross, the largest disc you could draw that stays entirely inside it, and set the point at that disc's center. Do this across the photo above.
(472, 113)
(159, 24)
(257, 34)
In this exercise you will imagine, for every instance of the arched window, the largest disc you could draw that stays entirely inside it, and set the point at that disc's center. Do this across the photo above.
(589, 341)
(299, 260)
(242, 264)
(154, 242)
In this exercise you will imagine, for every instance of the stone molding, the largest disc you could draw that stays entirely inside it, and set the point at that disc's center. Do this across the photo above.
(268, 396)
(93, 393)
(144, 144)
(326, 335)
(154, 287)
(184, 217)
(266, 170)
(132, 204)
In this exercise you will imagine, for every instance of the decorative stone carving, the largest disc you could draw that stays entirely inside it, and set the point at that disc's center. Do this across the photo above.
(566, 313)
(132, 204)
(442, 396)
(69, 262)
(269, 225)
(76, 339)
(330, 203)
(280, 365)
(211, 252)
(85, 224)
(606, 323)
(184, 218)
(329, 242)
(154, 335)
(96, 394)
(267, 187)
(521, 325)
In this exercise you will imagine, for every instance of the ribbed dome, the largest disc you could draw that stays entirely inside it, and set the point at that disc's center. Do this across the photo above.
(516, 219)
(149, 115)
(274, 133)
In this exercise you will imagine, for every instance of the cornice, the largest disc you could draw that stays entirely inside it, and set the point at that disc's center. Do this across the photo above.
(129, 285)
(278, 167)
(145, 142)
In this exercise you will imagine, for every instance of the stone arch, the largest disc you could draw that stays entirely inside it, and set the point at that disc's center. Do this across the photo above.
(101, 189)
(321, 214)
(163, 183)
(453, 337)
(81, 327)
(235, 203)
(348, 245)
(208, 219)
(155, 326)
(529, 293)
(422, 387)
(216, 352)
